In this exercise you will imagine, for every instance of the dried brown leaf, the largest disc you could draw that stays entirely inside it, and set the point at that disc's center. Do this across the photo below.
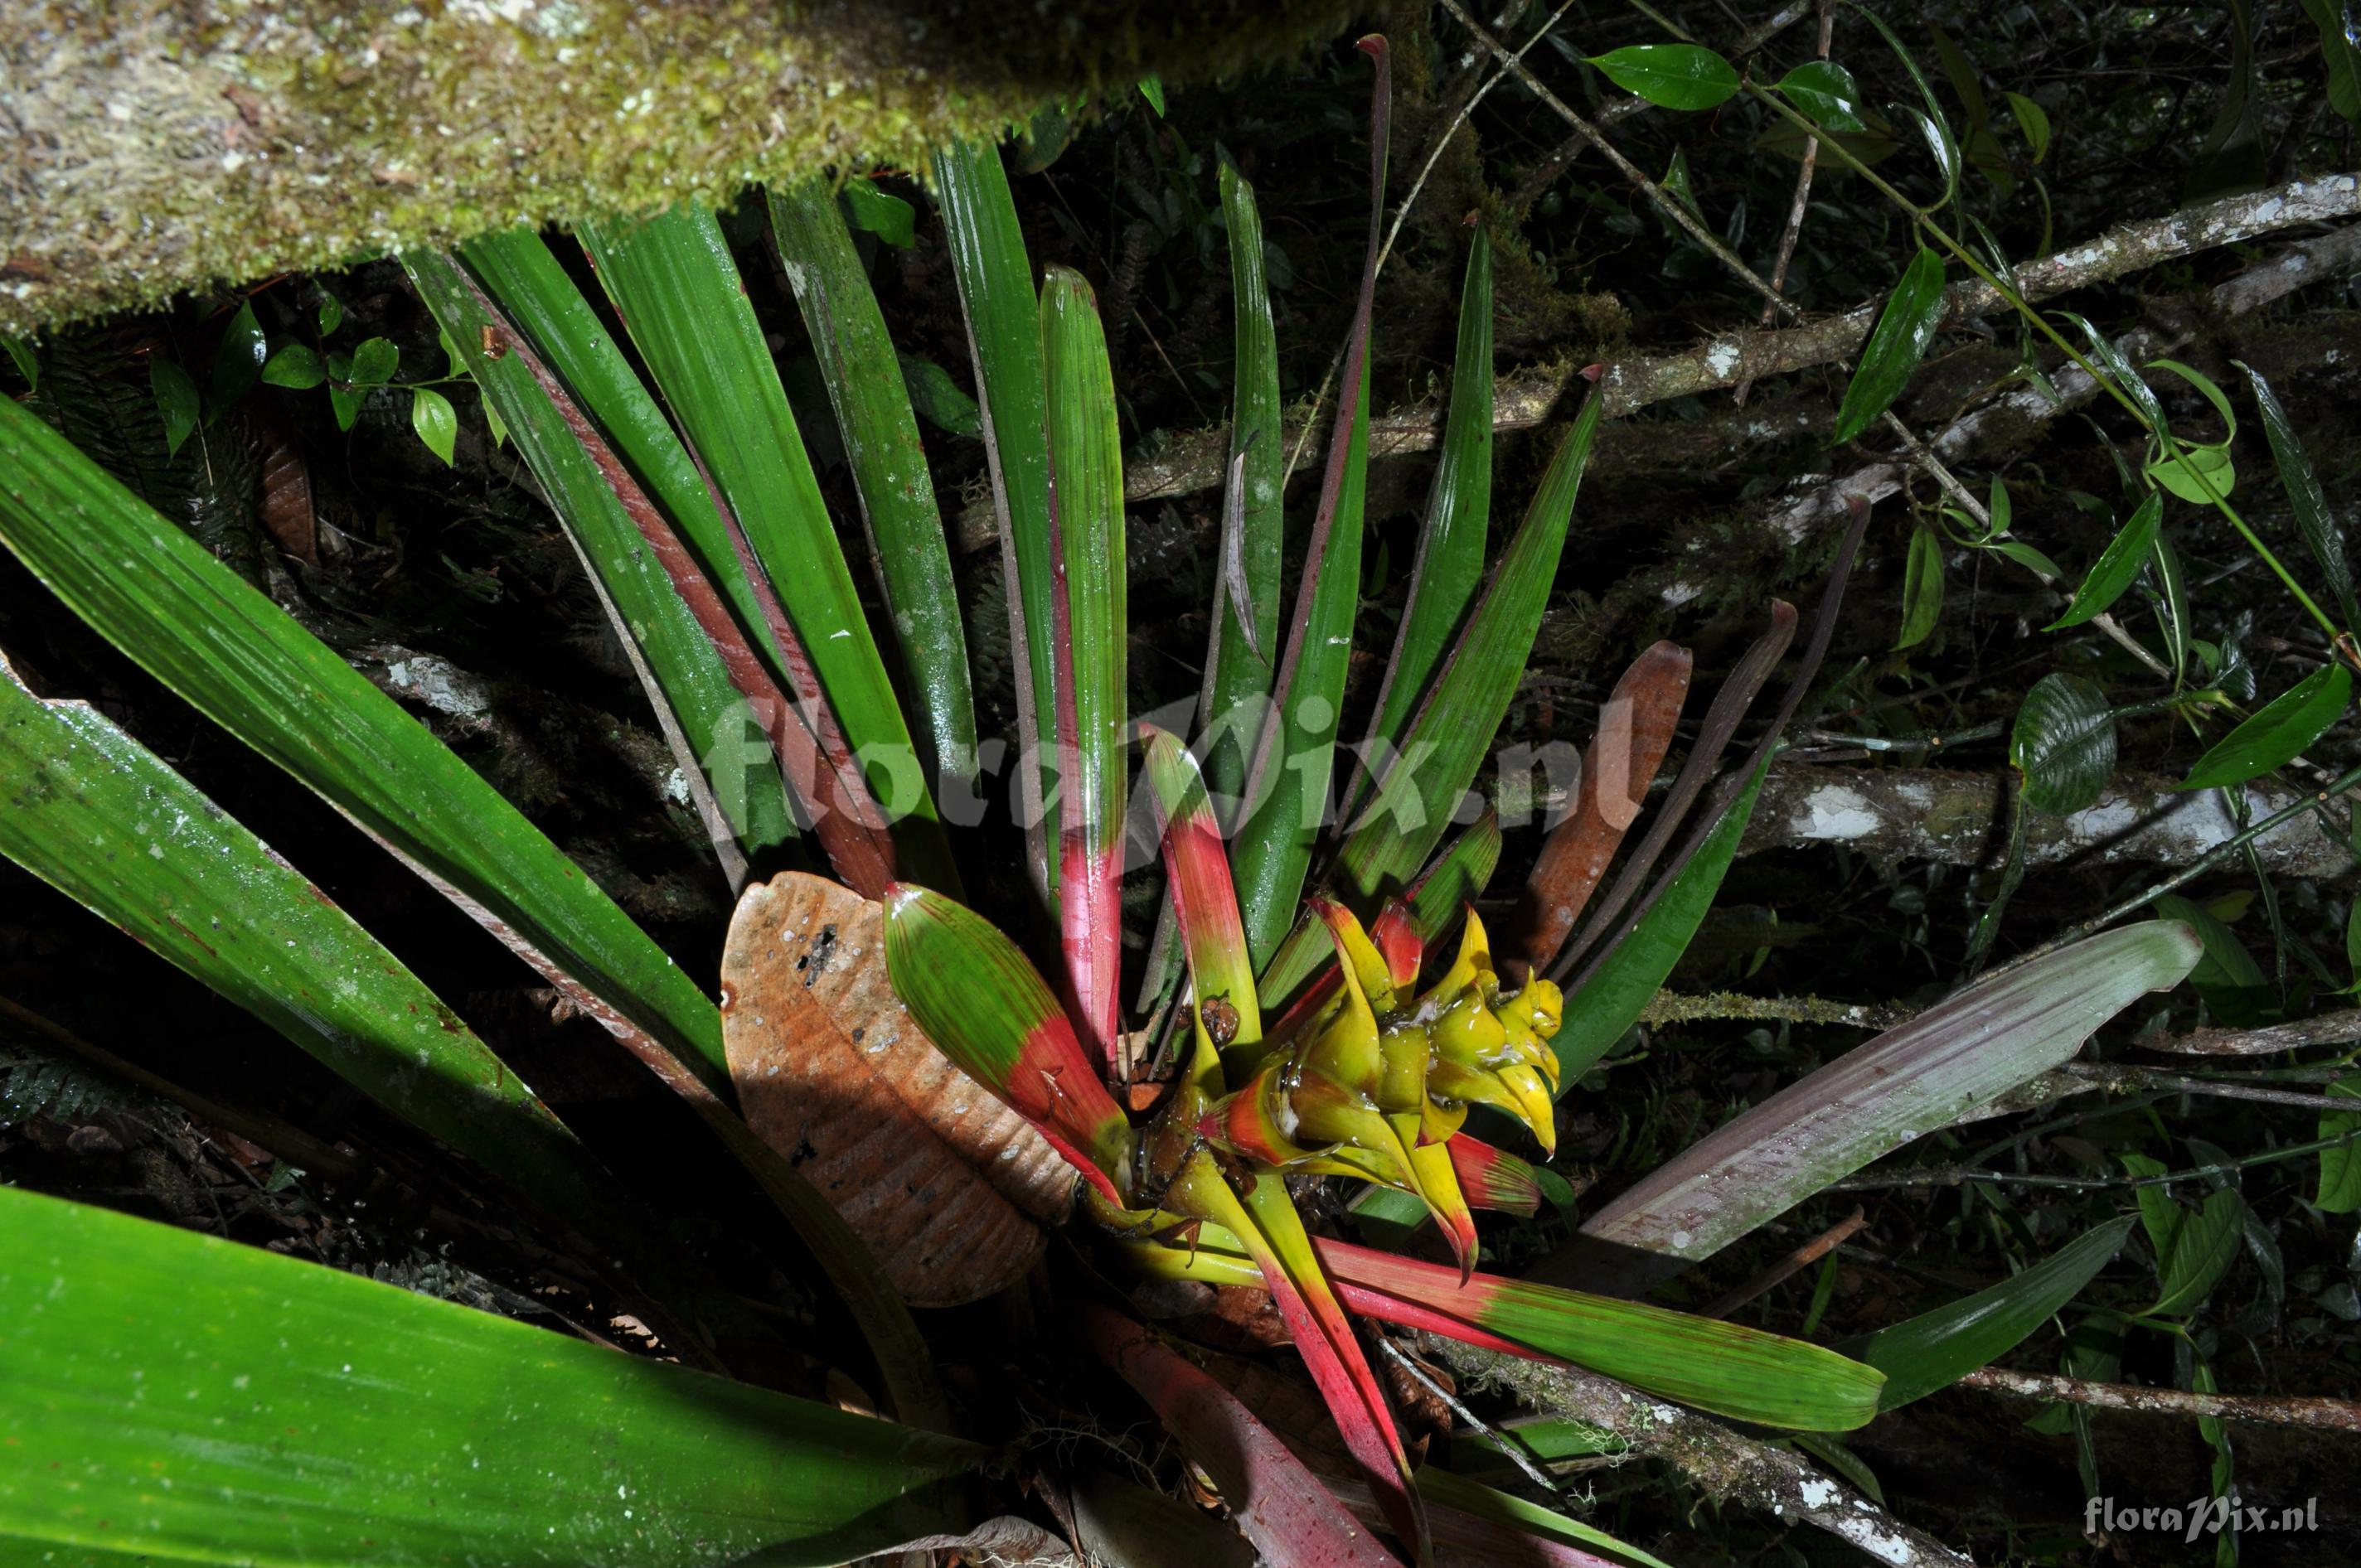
(946, 1186)
(1635, 729)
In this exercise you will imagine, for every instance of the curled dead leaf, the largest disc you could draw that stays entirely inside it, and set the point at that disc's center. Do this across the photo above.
(947, 1186)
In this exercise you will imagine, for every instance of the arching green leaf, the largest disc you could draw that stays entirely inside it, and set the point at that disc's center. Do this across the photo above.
(1897, 344)
(2279, 732)
(2117, 565)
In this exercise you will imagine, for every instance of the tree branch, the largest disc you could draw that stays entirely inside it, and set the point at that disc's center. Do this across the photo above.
(1727, 1466)
(1193, 461)
(2330, 1415)
(2029, 408)
(1925, 814)
(2328, 1029)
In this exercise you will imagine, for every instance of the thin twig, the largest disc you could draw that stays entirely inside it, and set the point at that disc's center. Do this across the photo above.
(1795, 228)
(1959, 1175)
(1508, 1444)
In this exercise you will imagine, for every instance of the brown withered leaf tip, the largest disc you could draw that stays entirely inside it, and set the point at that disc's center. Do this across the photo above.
(947, 1186)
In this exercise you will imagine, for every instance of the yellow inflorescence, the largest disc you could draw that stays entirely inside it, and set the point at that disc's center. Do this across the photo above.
(1377, 1080)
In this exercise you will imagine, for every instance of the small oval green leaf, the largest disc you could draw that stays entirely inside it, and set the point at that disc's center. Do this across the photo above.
(1895, 345)
(1921, 588)
(2204, 1248)
(296, 367)
(2196, 473)
(2033, 120)
(176, 400)
(882, 213)
(1676, 76)
(2116, 567)
(939, 400)
(2339, 1165)
(2290, 722)
(374, 362)
(1825, 90)
(237, 363)
(2064, 744)
(431, 417)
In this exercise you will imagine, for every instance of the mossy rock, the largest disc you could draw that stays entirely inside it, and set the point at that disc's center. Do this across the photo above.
(179, 144)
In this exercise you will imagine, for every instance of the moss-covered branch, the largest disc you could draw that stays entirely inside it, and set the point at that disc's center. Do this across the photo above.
(1727, 1465)
(171, 144)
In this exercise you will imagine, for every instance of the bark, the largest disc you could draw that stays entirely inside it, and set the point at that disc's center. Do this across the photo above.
(167, 145)
(2328, 1029)
(1923, 814)
(1524, 398)
(2329, 1415)
(2014, 417)
(1727, 1466)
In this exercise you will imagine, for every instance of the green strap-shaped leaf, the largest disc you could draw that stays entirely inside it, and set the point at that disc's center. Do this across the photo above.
(889, 468)
(2277, 732)
(2063, 742)
(2116, 567)
(97, 816)
(1448, 739)
(1243, 649)
(1935, 1350)
(691, 680)
(1449, 567)
(1724, 1367)
(1960, 1053)
(186, 1399)
(540, 300)
(1288, 787)
(155, 593)
(1897, 344)
(1619, 989)
(1674, 76)
(985, 1007)
(673, 280)
(1197, 876)
(1091, 624)
(1004, 335)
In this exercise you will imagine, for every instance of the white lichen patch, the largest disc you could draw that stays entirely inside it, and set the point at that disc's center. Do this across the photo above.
(1721, 358)
(1834, 812)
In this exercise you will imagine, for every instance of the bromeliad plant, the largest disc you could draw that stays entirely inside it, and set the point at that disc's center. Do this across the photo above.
(701, 518)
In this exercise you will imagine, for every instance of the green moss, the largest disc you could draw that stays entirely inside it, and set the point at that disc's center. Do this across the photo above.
(176, 146)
